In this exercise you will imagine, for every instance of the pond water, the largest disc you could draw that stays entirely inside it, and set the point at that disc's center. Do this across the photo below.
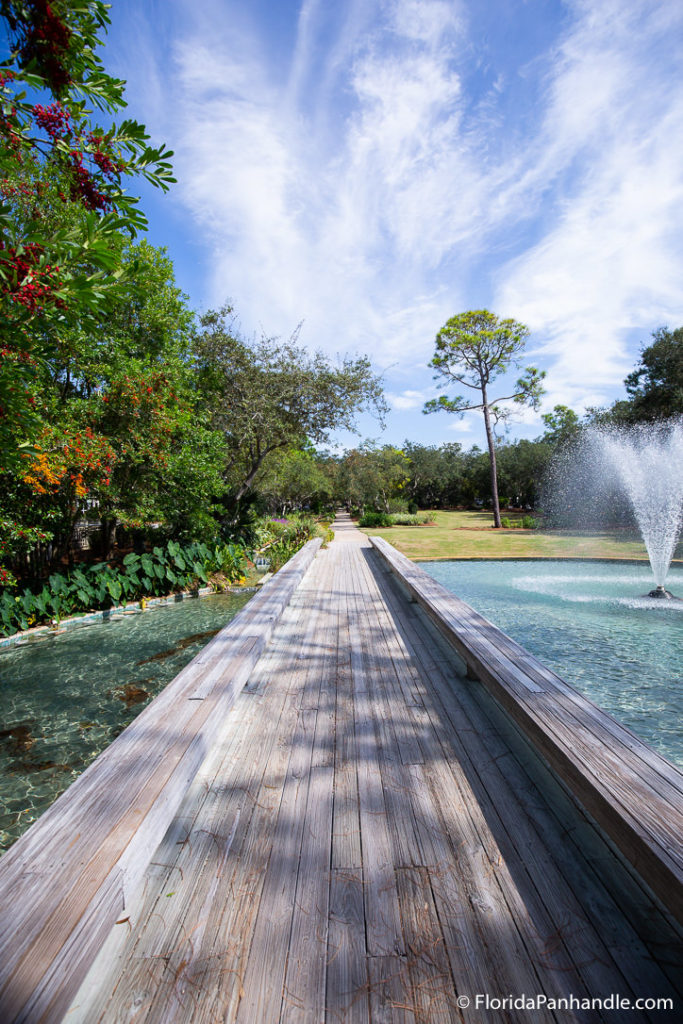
(64, 698)
(589, 622)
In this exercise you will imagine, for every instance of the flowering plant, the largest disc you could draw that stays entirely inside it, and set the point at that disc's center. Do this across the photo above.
(62, 198)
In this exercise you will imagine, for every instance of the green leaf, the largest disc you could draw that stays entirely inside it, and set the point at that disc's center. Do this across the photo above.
(58, 583)
(200, 572)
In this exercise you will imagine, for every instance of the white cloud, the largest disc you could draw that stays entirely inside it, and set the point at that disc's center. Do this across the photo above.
(406, 400)
(611, 259)
(301, 231)
(463, 426)
(367, 187)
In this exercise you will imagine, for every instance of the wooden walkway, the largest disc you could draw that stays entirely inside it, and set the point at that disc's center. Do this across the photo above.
(372, 840)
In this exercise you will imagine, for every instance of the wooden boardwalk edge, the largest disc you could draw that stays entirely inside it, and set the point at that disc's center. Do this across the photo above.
(634, 794)
(65, 882)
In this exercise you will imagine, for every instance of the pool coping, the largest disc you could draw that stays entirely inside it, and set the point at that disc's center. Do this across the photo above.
(610, 559)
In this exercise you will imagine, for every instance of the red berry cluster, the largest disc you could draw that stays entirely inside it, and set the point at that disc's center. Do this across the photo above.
(45, 43)
(55, 120)
(8, 190)
(109, 167)
(83, 185)
(16, 356)
(26, 283)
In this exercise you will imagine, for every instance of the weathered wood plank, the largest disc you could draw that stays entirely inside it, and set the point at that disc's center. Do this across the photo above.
(314, 872)
(264, 975)
(157, 949)
(433, 990)
(347, 972)
(391, 1000)
(382, 914)
(388, 663)
(304, 989)
(392, 717)
(488, 932)
(110, 821)
(546, 837)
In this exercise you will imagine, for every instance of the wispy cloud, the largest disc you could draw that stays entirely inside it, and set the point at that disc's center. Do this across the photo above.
(406, 400)
(610, 259)
(397, 168)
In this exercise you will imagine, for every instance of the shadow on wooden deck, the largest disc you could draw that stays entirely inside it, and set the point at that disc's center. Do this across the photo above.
(373, 839)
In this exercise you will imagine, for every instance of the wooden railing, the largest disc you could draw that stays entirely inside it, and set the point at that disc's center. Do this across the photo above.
(66, 881)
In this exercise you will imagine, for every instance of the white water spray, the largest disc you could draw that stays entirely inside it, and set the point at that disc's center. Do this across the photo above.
(648, 461)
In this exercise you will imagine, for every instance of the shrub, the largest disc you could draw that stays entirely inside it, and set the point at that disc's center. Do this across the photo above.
(403, 519)
(529, 523)
(397, 505)
(378, 520)
(281, 552)
(276, 527)
(426, 517)
(155, 573)
(230, 560)
(506, 523)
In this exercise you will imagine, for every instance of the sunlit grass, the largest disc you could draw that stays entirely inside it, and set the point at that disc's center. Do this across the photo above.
(471, 535)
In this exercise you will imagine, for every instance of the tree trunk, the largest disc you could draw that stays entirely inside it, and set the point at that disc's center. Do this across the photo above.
(108, 529)
(256, 463)
(492, 460)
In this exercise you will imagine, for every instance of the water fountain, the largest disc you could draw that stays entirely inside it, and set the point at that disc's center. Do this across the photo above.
(648, 462)
(623, 477)
(591, 621)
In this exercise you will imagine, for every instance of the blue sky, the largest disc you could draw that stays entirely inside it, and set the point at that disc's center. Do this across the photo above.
(373, 167)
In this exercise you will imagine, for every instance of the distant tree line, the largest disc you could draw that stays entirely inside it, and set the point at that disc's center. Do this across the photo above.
(446, 476)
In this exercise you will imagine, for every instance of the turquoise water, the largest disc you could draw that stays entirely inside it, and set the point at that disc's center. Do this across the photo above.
(589, 622)
(63, 699)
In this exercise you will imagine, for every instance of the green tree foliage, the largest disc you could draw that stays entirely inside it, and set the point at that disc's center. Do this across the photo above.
(473, 349)
(123, 430)
(63, 201)
(521, 469)
(655, 387)
(371, 477)
(294, 479)
(562, 425)
(134, 384)
(435, 474)
(269, 395)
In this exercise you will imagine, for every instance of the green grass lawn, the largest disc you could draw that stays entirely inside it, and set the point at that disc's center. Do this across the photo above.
(471, 535)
